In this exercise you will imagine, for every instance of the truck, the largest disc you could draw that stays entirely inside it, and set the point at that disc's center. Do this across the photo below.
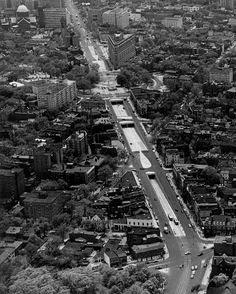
(165, 229)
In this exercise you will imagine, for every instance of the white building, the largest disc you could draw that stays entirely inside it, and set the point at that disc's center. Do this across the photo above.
(191, 8)
(52, 95)
(173, 22)
(117, 17)
(141, 220)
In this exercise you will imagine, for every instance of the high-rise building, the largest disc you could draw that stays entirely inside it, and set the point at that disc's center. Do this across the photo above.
(116, 17)
(12, 183)
(121, 48)
(95, 17)
(45, 156)
(53, 17)
(79, 142)
(54, 94)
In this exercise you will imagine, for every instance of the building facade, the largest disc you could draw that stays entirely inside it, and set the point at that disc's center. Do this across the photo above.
(121, 48)
(116, 17)
(12, 183)
(52, 17)
(54, 95)
(143, 220)
(173, 22)
(79, 142)
(218, 74)
(43, 204)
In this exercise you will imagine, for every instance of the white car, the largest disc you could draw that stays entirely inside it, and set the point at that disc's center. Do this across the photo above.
(192, 276)
(192, 267)
(187, 253)
(193, 272)
(195, 267)
(189, 225)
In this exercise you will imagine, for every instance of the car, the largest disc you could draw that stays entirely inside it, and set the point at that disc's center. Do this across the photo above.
(158, 267)
(192, 267)
(190, 226)
(195, 288)
(195, 267)
(181, 265)
(170, 217)
(187, 253)
(176, 222)
(176, 210)
(205, 265)
(192, 276)
(193, 272)
(200, 254)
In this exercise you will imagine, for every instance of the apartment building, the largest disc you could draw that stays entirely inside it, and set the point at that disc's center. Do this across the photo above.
(227, 4)
(121, 48)
(218, 74)
(52, 17)
(173, 22)
(78, 142)
(53, 95)
(43, 204)
(116, 17)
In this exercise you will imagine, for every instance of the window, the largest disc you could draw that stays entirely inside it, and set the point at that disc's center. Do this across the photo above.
(134, 223)
(138, 224)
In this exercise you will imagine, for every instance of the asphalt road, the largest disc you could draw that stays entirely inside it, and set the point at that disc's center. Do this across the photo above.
(179, 281)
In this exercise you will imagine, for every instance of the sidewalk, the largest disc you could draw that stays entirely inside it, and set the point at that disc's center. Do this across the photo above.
(206, 278)
(186, 210)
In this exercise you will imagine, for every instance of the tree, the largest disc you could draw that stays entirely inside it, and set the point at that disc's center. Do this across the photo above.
(219, 280)
(83, 84)
(211, 175)
(115, 290)
(122, 80)
(36, 281)
(234, 277)
(134, 289)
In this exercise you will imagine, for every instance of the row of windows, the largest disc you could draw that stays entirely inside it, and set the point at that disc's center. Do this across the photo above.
(143, 224)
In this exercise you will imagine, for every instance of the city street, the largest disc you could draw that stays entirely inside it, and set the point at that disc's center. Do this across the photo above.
(182, 241)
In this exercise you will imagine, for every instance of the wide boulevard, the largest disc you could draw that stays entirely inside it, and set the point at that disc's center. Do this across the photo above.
(183, 243)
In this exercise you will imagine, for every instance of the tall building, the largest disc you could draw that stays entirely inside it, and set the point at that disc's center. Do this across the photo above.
(95, 18)
(54, 94)
(173, 22)
(116, 17)
(121, 48)
(79, 142)
(52, 17)
(12, 183)
(45, 156)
